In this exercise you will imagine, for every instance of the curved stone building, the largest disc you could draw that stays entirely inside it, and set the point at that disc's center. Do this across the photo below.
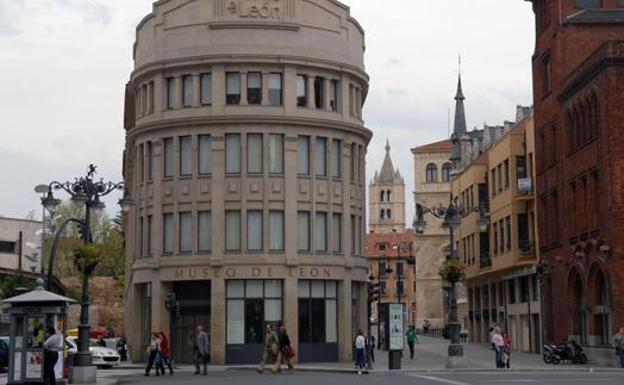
(245, 151)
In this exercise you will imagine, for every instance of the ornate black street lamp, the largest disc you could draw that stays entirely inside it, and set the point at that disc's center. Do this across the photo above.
(452, 217)
(85, 191)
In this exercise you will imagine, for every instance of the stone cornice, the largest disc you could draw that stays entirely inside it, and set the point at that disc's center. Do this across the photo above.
(246, 119)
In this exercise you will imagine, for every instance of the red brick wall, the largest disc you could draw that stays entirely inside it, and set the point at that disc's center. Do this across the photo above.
(581, 231)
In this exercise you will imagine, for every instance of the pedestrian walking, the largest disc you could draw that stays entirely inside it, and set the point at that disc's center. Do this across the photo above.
(153, 352)
(271, 348)
(360, 344)
(506, 350)
(285, 353)
(411, 340)
(370, 348)
(122, 349)
(201, 349)
(51, 347)
(498, 343)
(618, 344)
(165, 351)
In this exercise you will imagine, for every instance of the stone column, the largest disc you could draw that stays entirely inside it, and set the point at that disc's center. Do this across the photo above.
(178, 92)
(311, 94)
(289, 86)
(218, 90)
(291, 310)
(344, 320)
(265, 88)
(243, 88)
(326, 90)
(196, 91)
(217, 319)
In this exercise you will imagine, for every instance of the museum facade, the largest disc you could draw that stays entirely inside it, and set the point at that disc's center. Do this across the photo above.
(245, 157)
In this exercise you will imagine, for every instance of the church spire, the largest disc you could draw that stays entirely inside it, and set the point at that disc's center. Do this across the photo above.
(387, 168)
(459, 128)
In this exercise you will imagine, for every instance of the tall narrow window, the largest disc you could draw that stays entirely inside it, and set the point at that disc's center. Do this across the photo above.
(320, 155)
(204, 230)
(168, 234)
(185, 155)
(233, 89)
(254, 230)
(302, 90)
(303, 155)
(432, 173)
(303, 227)
(254, 153)
(205, 155)
(354, 160)
(508, 227)
(150, 160)
(547, 75)
(232, 230)
(169, 153)
(506, 170)
(188, 90)
(275, 89)
(206, 89)
(320, 233)
(446, 172)
(333, 95)
(185, 231)
(232, 153)
(336, 232)
(141, 164)
(254, 88)
(171, 94)
(140, 238)
(336, 158)
(276, 154)
(353, 235)
(319, 92)
(148, 235)
(276, 230)
(150, 97)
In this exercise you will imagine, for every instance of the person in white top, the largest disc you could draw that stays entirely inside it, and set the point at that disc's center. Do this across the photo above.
(360, 344)
(52, 345)
(499, 345)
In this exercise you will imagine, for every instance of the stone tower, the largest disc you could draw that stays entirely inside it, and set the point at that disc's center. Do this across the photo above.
(387, 198)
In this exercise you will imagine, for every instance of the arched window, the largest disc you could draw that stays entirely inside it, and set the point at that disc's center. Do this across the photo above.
(382, 195)
(432, 173)
(446, 172)
(388, 214)
(388, 196)
(600, 301)
(381, 214)
(576, 293)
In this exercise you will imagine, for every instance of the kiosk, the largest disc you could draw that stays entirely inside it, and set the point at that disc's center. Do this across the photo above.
(30, 315)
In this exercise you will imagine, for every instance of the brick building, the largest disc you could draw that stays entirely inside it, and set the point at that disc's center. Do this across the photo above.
(579, 90)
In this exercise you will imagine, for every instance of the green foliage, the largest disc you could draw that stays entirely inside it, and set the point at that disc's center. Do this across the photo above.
(452, 271)
(10, 283)
(87, 257)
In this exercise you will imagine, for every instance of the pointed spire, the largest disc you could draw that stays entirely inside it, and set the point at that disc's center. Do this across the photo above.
(459, 128)
(387, 168)
(387, 146)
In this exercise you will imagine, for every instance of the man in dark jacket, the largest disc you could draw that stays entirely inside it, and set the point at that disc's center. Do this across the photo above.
(285, 353)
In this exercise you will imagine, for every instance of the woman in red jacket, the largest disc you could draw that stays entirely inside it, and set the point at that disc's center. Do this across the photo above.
(166, 353)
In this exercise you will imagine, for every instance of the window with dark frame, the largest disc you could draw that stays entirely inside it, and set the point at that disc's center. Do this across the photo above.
(318, 312)
(275, 89)
(206, 89)
(233, 88)
(302, 90)
(254, 88)
(319, 92)
(8, 247)
(333, 95)
(188, 90)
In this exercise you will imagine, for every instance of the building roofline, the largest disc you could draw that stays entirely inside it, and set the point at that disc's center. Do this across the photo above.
(20, 220)
(439, 146)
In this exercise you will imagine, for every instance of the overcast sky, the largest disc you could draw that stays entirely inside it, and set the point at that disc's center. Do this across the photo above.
(64, 63)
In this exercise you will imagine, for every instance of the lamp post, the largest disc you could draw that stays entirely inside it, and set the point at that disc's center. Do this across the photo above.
(85, 191)
(452, 217)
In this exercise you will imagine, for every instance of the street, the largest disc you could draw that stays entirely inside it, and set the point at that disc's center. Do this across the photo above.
(233, 377)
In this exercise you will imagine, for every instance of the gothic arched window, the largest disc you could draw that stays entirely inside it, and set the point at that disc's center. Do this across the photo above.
(388, 196)
(381, 214)
(388, 214)
(382, 195)
(432, 173)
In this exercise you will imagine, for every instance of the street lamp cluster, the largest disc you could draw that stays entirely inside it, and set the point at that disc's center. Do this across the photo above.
(452, 216)
(85, 192)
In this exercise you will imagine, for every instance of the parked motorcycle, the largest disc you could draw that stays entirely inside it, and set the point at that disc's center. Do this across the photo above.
(569, 352)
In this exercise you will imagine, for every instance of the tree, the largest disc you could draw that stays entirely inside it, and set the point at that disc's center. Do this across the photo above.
(10, 284)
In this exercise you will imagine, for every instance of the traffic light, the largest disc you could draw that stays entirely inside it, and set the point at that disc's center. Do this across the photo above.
(373, 292)
(82, 231)
(170, 301)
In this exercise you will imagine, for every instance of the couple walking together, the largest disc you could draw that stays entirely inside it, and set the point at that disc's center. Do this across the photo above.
(277, 348)
(159, 354)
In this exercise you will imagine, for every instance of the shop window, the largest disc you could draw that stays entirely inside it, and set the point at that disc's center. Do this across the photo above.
(168, 159)
(319, 92)
(232, 230)
(251, 305)
(333, 95)
(320, 233)
(204, 231)
(276, 154)
(320, 156)
(233, 88)
(275, 89)
(254, 153)
(276, 230)
(171, 94)
(185, 230)
(254, 230)
(431, 173)
(303, 155)
(188, 90)
(302, 90)
(206, 89)
(205, 155)
(303, 224)
(336, 158)
(318, 312)
(168, 234)
(185, 155)
(232, 153)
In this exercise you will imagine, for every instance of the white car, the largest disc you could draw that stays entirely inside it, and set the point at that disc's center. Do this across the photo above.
(102, 357)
